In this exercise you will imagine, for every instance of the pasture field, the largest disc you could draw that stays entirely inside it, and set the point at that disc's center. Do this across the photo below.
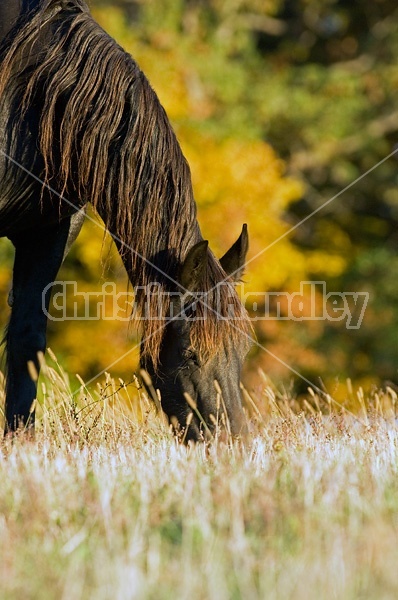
(104, 504)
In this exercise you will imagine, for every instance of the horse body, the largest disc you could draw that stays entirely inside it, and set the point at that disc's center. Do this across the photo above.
(80, 123)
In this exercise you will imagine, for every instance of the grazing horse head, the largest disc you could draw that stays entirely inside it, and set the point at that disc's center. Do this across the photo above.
(189, 379)
(83, 125)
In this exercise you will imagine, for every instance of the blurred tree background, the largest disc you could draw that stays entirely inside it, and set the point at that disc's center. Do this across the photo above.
(279, 105)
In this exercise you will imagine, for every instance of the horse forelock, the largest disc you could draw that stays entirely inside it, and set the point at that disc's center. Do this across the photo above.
(220, 322)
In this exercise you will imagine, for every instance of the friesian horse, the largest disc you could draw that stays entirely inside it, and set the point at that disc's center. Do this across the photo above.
(80, 123)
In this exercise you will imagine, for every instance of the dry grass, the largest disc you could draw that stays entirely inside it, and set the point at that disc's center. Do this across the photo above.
(105, 503)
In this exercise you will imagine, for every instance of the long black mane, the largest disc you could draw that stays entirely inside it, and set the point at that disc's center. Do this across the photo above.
(104, 138)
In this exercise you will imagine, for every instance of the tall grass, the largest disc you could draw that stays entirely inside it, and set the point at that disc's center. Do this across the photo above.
(105, 503)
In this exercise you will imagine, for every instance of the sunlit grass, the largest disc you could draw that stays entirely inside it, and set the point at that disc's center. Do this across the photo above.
(105, 503)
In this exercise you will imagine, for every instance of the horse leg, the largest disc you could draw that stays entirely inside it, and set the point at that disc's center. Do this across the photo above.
(76, 223)
(38, 257)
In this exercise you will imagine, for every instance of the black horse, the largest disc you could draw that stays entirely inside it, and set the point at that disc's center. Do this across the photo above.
(80, 123)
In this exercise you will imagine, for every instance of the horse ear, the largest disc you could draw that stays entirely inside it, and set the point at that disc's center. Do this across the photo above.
(194, 266)
(233, 261)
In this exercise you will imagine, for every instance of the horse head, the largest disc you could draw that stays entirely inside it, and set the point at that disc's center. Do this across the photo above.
(200, 391)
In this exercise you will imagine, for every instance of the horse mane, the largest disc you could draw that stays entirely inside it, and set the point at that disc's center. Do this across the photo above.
(104, 138)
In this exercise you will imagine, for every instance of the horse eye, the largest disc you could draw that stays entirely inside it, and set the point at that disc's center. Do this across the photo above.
(188, 354)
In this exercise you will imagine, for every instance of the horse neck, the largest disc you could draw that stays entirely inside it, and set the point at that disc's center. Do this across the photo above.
(152, 256)
(10, 10)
